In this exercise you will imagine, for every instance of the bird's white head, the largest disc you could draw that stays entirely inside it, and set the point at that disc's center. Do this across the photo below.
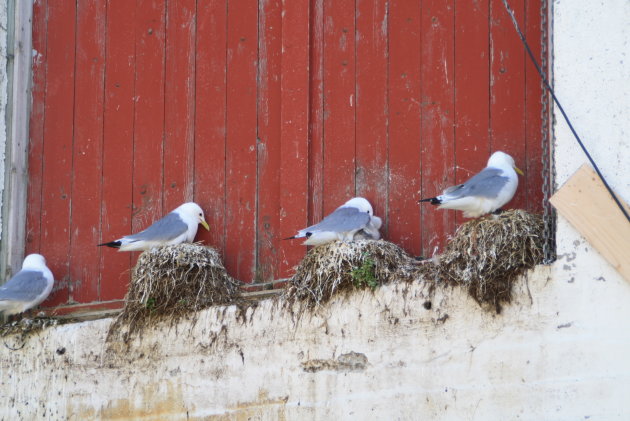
(193, 210)
(502, 160)
(360, 203)
(34, 261)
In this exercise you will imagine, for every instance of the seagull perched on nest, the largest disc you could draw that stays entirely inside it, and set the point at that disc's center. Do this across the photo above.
(485, 192)
(353, 216)
(27, 288)
(177, 227)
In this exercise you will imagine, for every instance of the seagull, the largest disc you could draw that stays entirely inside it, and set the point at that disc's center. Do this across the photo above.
(27, 288)
(371, 231)
(177, 227)
(485, 192)
(353, 216)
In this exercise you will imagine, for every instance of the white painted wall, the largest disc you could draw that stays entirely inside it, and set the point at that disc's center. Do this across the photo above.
(561, 355)
(3, 96)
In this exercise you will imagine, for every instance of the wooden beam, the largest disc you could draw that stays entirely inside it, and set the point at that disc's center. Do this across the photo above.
(20, 55)
(586, 204)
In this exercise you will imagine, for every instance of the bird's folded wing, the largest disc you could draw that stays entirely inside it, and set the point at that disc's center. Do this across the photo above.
(165, 229)
(488, 183)
(25, 286)
(341, 220)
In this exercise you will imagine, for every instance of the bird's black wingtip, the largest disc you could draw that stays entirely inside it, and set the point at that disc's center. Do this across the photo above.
(112, 244)
(432, 200)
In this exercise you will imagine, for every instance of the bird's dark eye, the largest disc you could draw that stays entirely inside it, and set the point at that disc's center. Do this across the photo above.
(199, 214)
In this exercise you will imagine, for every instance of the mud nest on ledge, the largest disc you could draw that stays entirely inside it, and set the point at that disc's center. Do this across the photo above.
(339, 266)
(172, 281)
(488, 254)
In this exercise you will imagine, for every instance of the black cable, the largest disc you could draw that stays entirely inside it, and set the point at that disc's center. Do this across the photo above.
(566, 118)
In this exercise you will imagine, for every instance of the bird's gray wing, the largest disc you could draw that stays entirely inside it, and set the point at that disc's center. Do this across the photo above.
(165, 229)
(487, 183)
(341, 220)
(26, 285)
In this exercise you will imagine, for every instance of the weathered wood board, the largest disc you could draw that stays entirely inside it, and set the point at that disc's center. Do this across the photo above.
(584, 201)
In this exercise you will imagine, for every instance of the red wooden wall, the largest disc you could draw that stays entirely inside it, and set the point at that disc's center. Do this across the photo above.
(269, 116)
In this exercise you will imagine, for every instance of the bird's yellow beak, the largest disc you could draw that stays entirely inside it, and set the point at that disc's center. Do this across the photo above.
(205, 224)
(518, 170)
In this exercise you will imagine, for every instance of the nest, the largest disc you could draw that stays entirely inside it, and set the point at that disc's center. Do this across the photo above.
(21, 329)
(340, 266)
(172, 281)
(488, 254)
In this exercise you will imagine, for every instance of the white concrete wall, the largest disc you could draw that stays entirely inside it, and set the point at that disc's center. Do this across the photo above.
(561, 355)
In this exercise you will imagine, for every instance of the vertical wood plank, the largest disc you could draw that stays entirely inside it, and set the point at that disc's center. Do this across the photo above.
(87, 151)
(179, 104)
(532, 181)
(149, 113)
(438, 142)
(371, 103)
(294, 129)
(268, 236)
(242, 54)
(58, 135)
(316, 114)
(507, 88)
(403, 218)
(118, 133)
(19, 72)
(210, 118)
(472, 87)
(36, 128)
(339, 103)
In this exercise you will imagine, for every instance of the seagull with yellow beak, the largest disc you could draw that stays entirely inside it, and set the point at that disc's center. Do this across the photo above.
(179, 226)
(485, 192)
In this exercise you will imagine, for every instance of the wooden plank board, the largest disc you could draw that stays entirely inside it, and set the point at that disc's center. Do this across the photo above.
(148, 152)
(242, 63)
(507, 88)
(118, 132)
(584, 201)
(58, 135)
(268, 236)
(316, 116)
(472, 88)
(371, 104)
(19, 73)
(294, 130)
(438, 137)
(210, 109)
(405, 166)
(36, 129)
(531, 184)
(87, 151)
(179, 104)
(339, 103)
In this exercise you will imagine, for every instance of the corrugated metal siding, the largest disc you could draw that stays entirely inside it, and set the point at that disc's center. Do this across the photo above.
(269, 116)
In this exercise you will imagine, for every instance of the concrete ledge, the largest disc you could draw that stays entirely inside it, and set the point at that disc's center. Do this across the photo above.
(368, 356)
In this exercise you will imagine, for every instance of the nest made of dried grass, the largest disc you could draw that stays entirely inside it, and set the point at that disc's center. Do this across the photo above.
(172, 281)
(487, 255)
(345, 266)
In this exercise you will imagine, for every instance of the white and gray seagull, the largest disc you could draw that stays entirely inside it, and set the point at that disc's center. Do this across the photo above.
(485, 192)
(177, 227)
(27, 288)
(348, 219)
